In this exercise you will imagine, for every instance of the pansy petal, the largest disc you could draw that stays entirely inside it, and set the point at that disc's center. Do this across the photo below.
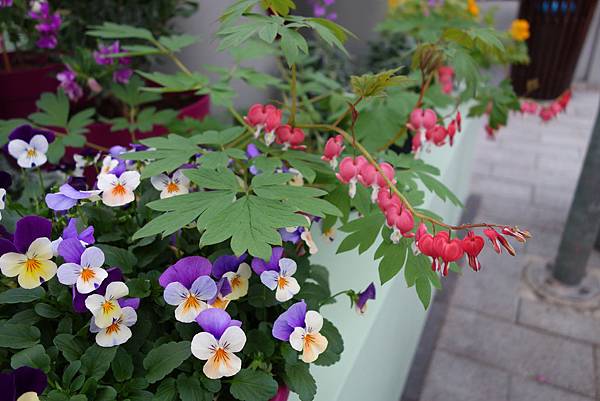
(313, 321)
(129, 302)
(45, 271)
(71, 250)
(159, 182)
(297, 338)
(106, 181)
(175, 293)
(30, 228)
(188, 310)
(287, 267)
(12, 264)
(92, 257)
(214, 321)
(71, 192)
(113, 335)
(6, 246)
(203, 345)
(17, 147)
(68, 273)
(186, 271)
(59, 202)
(226, 263)
(112, 197)
(87, 235)
(244, 271)
(29, 379)
(116, 290)
(233, 339)
(269, 278)
(287, 292)
(313, 348)
(128, 316)
(231, 365)
(39, 143)
(89, 283)
(41, 248)
(204, 288)
(181, 178)
(130, 179)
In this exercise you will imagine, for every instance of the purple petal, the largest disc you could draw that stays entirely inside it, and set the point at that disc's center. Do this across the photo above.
(214, 320)
(29, 379)
(114, 274)
(5, 180)
(70, 230)
(363, 297)
(87, 235)
(252, 151)
(30, 228)
(226, 263)
(5, 234)
(293, 236)
(7, 387)
(6, 246)
(204, 288)
(186, 271)
(26, 132)
(71, 249)
(72, 193)
(236, 323)
(289, 320)
(223, 289)
(260, 265)
(59, 202)
(131, 302)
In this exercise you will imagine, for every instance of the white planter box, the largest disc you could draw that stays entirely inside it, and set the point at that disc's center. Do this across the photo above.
(380, 345)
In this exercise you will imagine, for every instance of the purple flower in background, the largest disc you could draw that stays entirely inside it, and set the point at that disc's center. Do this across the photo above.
(68, 83)
(16, 383)
(85, 237)
(217, 344)
(27, 132)
(67, 197)
(260, 265)
(48, 24)
(363, 297)
(321, 9)
(253, 152)
(122, 75)
(187, 286)
(102, 57)
(6, 3)
(5, 180)
(276, 274)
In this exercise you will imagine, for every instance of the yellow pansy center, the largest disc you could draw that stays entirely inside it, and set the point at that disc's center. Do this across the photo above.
(113, 328)
(87, 274)
(31, 152)
(309, 340)
(191, 302)
(107, 307)
(236, 281)
(119, 190)
(32, 265)
(221, 356)
(172, 187)
(282, 282)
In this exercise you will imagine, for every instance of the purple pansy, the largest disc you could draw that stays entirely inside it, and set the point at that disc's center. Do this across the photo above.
(363, 297)
(227, 263)
(215, 321)
(27, 132)
(23, 380)
(27, 230)
(114, 275)
(291, 234)
(67, 197)
(223, 289)
(260, 265)
(85, 237)
(188, 286)
(290, 319)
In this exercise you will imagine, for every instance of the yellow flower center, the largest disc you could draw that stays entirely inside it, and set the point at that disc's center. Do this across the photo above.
(309, 340)
(31, 152)
(119, 190)
(282, 282)
(172, 187)
(191, 302)
(221, 356)
(236, 281)
(113, 328)
(32, 265)
(220, 303)
(87, 274)
(107, 307)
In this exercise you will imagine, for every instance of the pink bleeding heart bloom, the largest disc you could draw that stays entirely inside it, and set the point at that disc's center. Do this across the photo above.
(497, 240)
(425, 245)
(367, 175)
(333, 150)
(349, 171)
(387, 199)
(520, 235)
(264, 117)
(402, 222)
(422, 119)
(472, 245)
(451, 131)
(449, 250)
(458, 120)
(289, 137)
(530, 107)
(445, 72)
(437, 135)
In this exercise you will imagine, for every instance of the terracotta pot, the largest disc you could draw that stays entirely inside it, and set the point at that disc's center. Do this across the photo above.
(22, 87)
(283, 393)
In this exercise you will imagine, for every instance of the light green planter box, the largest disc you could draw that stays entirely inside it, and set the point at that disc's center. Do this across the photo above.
(380, 345)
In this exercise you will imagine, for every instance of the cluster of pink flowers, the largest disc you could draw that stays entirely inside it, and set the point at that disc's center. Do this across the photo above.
(68, 83)
(48, 24)
(267, 119)
(423, 122)
(123, 72)
(446, 78)
(550, 111)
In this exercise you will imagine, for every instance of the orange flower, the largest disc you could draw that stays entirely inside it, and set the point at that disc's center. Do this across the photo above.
(519, 30)
(472, 7)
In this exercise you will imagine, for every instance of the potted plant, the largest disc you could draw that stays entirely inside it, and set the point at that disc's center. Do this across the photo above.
(185, 269)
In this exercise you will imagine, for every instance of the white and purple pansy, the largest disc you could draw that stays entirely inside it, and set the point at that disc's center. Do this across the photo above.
(114, 275)
(217, 344)
(221, 299)
(188, 286)
(118, 332)
(85, 272)
(301, 328)
(106, 308)
(28, 256)
(177, 184)
(118, 191)
(277, 274)
(67, 197)
(29, 145)
(237, 273)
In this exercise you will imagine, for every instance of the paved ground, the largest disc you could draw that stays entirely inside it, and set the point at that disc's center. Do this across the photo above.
(498, 342)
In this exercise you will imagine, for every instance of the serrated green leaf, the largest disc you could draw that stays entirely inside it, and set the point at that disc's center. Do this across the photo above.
(110, 30)
(369, 85)
(300, 381)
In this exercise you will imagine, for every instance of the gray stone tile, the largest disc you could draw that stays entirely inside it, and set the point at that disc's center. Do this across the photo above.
(534, 176)
(522, 389)
(498, 187)
(566, 364)
(453, 378)
(543, 244)
(554, 197)
(562, 321)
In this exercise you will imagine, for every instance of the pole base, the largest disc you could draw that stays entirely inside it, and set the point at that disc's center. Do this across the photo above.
(585, 296)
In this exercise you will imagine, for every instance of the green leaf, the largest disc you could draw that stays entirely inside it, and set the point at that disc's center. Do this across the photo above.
(363, 232)
(177, 42)
(163, 359)
(173, 83)
(253, 385)
(300, 381)
(375, 85)
(54, 110)
(213, 179)
(218, 137)
(18, 336)
(70, 372)
(96, 361)
(335, 346)
(110, 30)
(139, 287)
(105, 393)
(34, 357)
(282, 7)
(122, 365)
(167, 391)
(439, 189)
(21, 295)
(423, 288)
(190, 389)
(70, 347)
(118, 257)
(292, 43)
(47, 311)
(394, 256)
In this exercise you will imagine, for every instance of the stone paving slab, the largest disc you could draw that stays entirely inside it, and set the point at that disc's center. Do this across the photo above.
(453, 378)
(527, 390)
(564, 363)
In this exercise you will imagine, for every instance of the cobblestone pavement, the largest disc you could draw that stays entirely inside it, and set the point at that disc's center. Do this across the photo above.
(498, 342)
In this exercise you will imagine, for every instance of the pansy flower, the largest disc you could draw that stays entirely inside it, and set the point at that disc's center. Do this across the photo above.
(236, 271)
(29, 255)
(177, 184)
(2, 198)
(85, 272)
(221, 298)
(29, 154)
(118, 191)
(363, 297)
(85, 237)
(277, 274)
(108, 165)
(114, 275)
(106, 308)
(301, 329)
(23, 384)
(118, 332)
(188, 286)
(67, 197)
(217, 344)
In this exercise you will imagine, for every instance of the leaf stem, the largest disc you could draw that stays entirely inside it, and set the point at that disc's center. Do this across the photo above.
(88, 144)
(172, 56)
(293, 90)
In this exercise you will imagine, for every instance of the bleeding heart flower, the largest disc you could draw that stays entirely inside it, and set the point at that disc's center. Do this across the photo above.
(437, 135)
(451, 131)
(520, 235)
(498, 239)
(349, 171)
(289, 137)
(449, 250)
(402, 221)
(333, 150)
(422, 119)
(387, 199)
(472, 245)
(264, 117)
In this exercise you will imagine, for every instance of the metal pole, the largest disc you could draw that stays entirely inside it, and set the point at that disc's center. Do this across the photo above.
(583, 223)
